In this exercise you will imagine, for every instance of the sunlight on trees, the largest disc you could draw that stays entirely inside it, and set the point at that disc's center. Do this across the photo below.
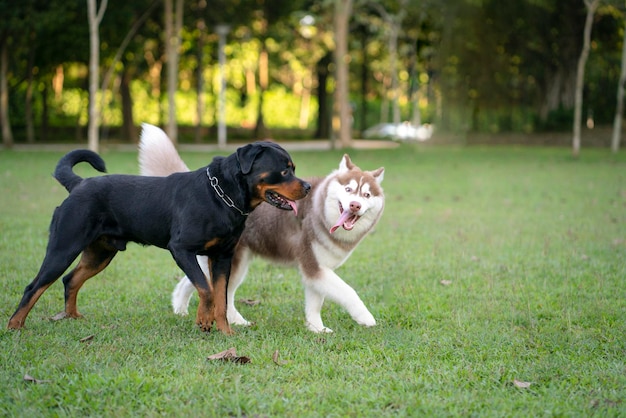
(464, 66)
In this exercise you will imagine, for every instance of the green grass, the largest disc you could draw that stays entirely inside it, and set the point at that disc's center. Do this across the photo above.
(531, 242)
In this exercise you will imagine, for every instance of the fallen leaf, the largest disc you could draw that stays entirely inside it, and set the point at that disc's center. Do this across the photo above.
(59, 316)
(88, 338)
(520, 384)
(446, 282)
(29, 378)
(249, 302)
(276, 360)
(230, 355)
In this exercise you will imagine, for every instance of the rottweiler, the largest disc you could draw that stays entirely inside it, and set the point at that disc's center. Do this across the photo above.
(201, 212)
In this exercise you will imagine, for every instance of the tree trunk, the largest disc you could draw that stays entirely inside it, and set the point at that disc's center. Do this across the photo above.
(323, 120)
(305, 101)
(343, 10)
(173, 26)
(129, 133)
(364, 84)
(200, 103)
(260, 130)
(94, 67)
(7, 134)
(28, 105)
(619, 110)
(45, 114)
(591, 6)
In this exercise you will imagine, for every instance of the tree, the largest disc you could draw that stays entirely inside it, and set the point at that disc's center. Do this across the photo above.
(394, 23)
(94, 68)
(591, 6)
(7, 134)
(173, 27)
(343, 9)
(619, 109)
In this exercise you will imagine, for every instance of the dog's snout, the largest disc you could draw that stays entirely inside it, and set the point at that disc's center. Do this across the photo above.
(306, 186)
(355, 206)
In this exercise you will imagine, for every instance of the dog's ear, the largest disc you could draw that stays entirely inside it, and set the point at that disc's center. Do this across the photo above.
(346, 164)
(378, 174)
(246, 156)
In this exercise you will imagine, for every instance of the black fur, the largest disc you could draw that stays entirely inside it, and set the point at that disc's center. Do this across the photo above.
(182, 213)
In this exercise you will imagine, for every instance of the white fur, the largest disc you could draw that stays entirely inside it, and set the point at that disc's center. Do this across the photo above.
(157, 154)
(330, 285)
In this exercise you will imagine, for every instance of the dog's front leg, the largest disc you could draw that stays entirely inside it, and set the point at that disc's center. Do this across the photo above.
(325, 283)
(219, 268)
(188, 263)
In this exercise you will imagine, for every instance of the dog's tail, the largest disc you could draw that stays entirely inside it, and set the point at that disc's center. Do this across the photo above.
(157, 154)
(64, 174)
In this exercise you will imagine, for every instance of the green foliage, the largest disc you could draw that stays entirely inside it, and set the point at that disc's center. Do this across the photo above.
(470, 65)
(489, 266)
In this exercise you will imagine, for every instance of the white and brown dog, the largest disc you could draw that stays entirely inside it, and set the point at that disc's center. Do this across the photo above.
(340, 211)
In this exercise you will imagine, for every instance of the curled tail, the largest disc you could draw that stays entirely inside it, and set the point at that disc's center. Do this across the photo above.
(64, 174)
(157, 154)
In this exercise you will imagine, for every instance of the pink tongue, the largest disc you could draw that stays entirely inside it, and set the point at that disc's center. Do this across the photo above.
(345, 215)
(293, 206)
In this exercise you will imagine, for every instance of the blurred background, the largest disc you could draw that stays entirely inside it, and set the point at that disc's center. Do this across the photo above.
(207, 70)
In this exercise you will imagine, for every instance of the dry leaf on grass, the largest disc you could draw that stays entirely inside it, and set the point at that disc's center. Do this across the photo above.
(230, 355)
(520, 384)
(249, 302)
(87, 338)
(276, 360)
(29, 378)
(446, 282)
(59, 316)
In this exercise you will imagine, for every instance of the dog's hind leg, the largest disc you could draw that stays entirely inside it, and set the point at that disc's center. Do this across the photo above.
(56, 261)
(238, 272)
(183, 291)
(95, 258)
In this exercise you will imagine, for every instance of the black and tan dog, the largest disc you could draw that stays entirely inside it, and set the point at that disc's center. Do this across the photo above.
(200, 212)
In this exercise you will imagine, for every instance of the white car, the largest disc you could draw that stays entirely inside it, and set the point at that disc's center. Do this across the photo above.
(400, 132)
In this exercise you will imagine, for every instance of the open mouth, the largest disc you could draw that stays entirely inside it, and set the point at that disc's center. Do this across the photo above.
(347, 219)
(280, 202)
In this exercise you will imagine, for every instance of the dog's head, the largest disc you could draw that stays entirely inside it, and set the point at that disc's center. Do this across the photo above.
(355, 197)
(271, 175)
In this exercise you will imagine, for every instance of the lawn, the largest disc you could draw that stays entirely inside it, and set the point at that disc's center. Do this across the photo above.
(496, 276)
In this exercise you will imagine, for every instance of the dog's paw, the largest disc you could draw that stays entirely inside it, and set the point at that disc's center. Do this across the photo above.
(235, 318)
(318, 329)
(366, 319)
(180, 310)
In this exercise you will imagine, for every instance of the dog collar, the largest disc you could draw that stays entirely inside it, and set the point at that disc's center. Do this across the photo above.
(220, 192)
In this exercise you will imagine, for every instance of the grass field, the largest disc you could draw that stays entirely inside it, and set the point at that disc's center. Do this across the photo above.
(497, 276)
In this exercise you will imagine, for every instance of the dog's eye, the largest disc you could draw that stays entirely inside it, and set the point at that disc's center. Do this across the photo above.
(367, 195)
(284, 173)
(348, 189)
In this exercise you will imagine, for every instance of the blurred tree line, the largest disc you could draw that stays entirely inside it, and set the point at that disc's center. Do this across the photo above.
(463, 65)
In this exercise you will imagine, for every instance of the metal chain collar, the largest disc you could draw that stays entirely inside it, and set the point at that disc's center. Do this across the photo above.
(220, 192)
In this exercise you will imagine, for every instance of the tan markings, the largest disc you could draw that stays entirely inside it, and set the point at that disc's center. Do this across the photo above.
(292, 190)
(211, 243)
(219, 306)
(18, 319)
(205, 315)
(87, 268)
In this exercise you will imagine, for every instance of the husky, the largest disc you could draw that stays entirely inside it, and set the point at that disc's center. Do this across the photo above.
(341, 209)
